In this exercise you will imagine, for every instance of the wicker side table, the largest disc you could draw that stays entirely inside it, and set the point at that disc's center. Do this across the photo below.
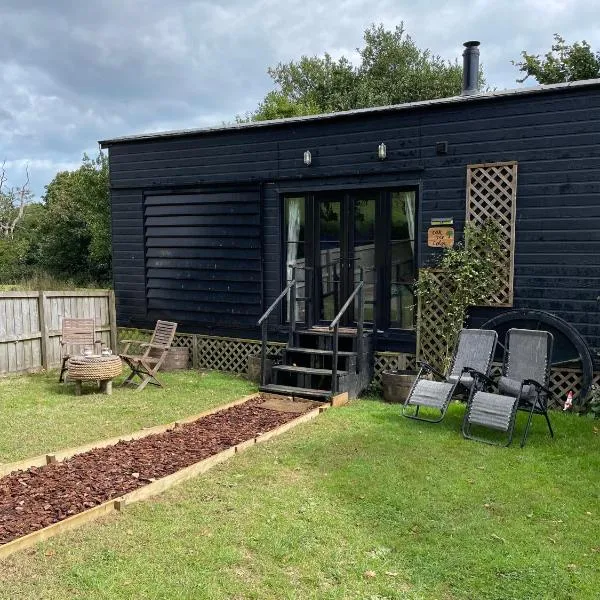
(94, 368)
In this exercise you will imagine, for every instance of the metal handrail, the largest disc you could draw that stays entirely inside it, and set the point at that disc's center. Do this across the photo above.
(276, 302)
(335, 327)
(263, 323)
(336, 261)
(347, 304)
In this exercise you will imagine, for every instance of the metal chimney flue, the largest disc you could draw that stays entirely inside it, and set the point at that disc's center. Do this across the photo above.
(470, 68)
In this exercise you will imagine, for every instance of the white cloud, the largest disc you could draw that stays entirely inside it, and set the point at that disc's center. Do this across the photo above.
(43, 164)
(73, 73)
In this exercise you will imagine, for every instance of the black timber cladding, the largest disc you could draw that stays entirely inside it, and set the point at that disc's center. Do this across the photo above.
(554, 136)
(203, 260)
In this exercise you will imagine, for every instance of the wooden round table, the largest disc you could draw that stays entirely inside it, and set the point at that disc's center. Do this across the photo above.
(95, 367)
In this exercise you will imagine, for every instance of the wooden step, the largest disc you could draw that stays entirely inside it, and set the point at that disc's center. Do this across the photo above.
(306, 370)
(325, 332)
(319, 352)
(287, 390)
(325, 329)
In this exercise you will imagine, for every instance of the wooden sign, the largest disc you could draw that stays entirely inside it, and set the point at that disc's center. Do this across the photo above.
(440, 237)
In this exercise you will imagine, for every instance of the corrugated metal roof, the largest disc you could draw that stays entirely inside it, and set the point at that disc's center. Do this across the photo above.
(540, 89)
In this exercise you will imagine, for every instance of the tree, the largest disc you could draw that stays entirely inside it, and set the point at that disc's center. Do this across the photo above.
(563, 63)
(75, 234)
(392, 70)
(15, 209)
(19, 253)
(12, 204)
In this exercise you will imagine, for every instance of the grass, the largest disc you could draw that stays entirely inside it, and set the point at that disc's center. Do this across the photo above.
(42, 281)
(357, 504)
(38, 415)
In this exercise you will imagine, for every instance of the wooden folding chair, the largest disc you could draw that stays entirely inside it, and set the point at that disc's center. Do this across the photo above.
(146, 365)
(77, 334)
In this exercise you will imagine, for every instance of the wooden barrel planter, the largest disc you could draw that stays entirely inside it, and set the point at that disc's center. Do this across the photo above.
(253, 372)
(177, 359)
(396, 385)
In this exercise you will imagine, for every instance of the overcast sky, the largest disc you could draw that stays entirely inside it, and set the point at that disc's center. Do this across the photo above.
(74, 72)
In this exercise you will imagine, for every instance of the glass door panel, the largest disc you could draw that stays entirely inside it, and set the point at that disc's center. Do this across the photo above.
(330, 237)
(295, 220)
(402, 253)
(329, 255)
(365, 205)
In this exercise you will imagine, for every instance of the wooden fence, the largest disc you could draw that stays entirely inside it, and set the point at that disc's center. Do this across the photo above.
(30, 325)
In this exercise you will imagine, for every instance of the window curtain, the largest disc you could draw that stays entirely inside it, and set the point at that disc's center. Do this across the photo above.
(409, 209)
(293, 237)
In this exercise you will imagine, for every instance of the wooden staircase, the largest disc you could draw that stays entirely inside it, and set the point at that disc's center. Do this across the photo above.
(320, 362)
(306, 369)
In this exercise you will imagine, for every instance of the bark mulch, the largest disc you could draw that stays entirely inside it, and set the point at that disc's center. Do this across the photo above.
(40, 496)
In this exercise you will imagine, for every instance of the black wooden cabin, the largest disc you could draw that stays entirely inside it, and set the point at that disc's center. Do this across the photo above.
(207, 224)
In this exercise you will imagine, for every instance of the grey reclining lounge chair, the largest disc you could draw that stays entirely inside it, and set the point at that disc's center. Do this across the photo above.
(522, 386)
(474, 350)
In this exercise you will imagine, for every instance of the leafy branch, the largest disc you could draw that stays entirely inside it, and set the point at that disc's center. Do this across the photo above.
(593, 404)
(565, 62)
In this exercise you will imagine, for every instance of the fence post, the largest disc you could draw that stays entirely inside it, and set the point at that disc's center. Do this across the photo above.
(194, 351)
(402, 362)
(44, 340)
(112, 317)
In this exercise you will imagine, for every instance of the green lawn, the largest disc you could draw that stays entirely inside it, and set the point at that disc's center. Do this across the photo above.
(359, 503)
(38, 414)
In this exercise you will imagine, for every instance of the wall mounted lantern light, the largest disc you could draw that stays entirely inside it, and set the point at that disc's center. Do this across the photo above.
(307, 158)
(382, 151)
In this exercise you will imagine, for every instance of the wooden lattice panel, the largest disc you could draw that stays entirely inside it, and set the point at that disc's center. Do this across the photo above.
(391, 361)
(230, 354)
(431, 320)
(183, 340)
(491, 195)
(562, 381)
(221, 354)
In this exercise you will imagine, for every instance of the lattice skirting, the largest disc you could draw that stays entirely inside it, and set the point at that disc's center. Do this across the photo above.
(391, 361)
(208, 352)
(231, 355)
(561, 381)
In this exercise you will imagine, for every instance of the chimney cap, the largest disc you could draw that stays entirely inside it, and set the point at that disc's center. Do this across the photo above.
(471, 44)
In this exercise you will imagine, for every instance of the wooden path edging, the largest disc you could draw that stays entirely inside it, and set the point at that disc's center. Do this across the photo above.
(31, 539)
(156, 487)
